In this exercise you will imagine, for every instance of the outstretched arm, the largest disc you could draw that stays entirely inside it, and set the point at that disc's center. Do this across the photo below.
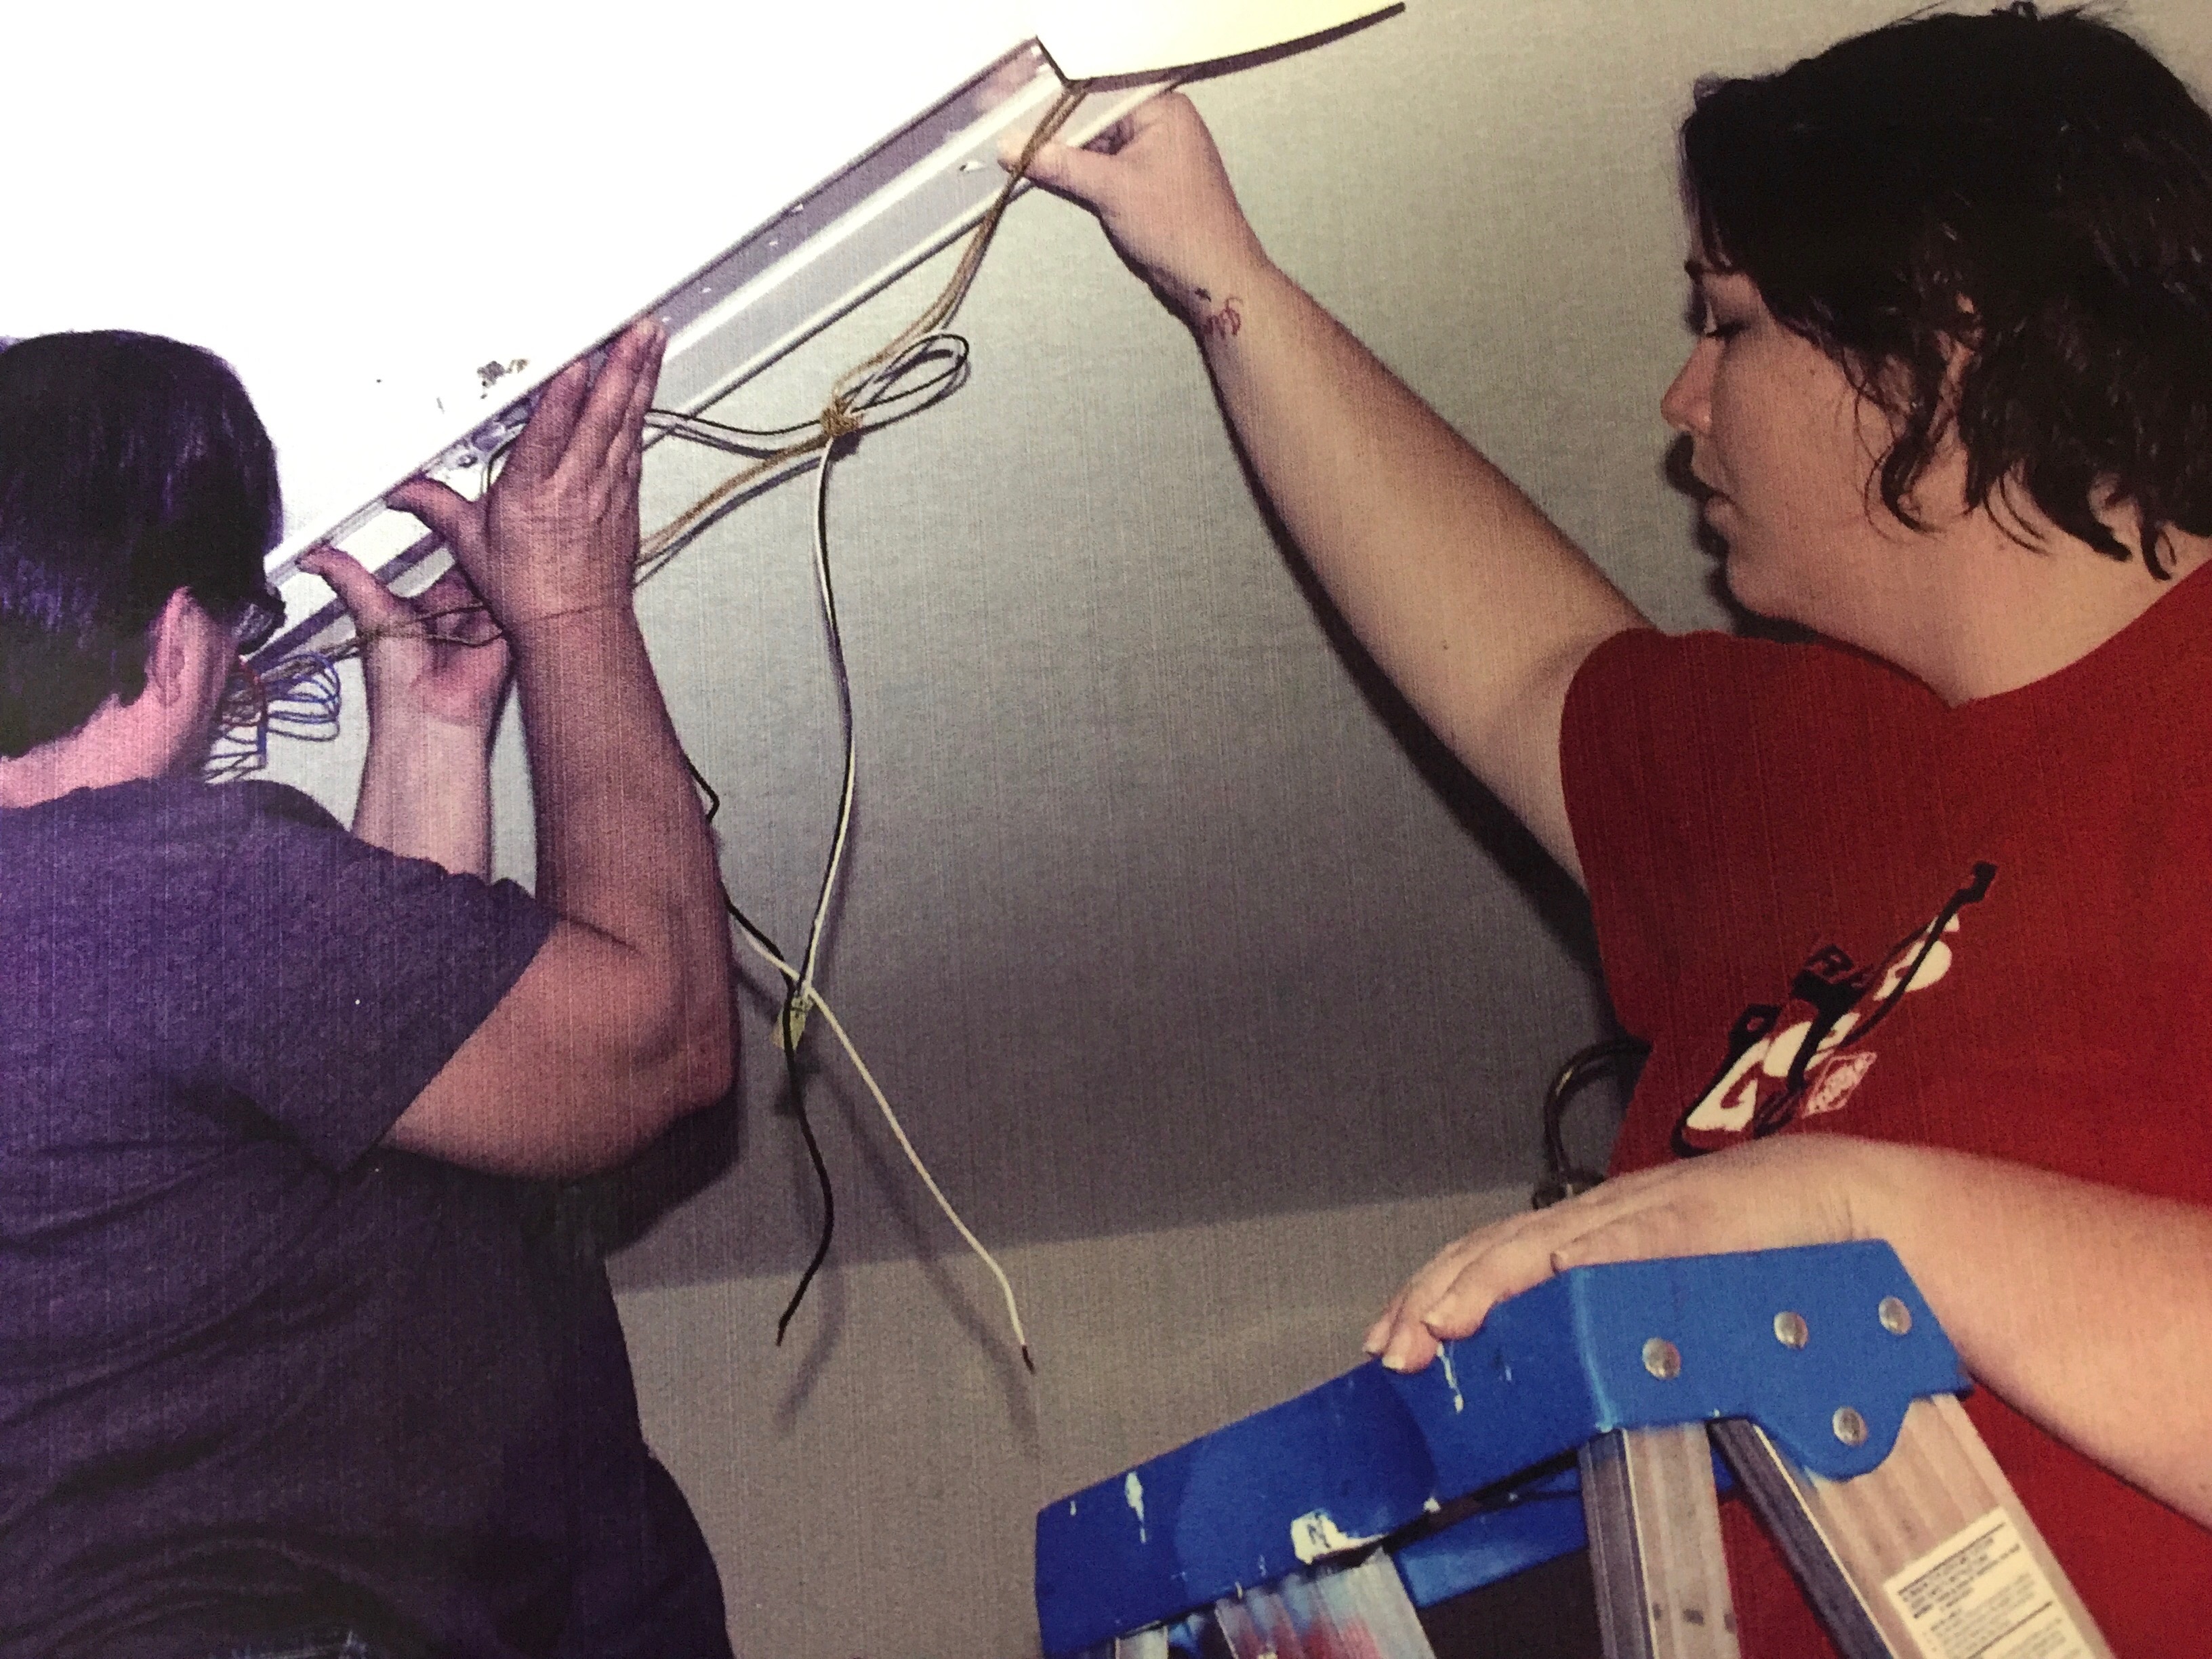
(2087, 1307)
(1472, 601)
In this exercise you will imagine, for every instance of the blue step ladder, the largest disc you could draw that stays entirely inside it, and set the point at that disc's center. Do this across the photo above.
(1606, 1406)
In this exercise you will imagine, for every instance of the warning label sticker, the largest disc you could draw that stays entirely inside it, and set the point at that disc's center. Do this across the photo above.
(1980, 1594)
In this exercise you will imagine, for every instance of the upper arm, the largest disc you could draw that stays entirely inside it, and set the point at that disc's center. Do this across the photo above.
(1516, 752)
(586, 1059)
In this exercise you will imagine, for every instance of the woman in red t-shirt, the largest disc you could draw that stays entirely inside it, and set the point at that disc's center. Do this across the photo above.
(1950, 407)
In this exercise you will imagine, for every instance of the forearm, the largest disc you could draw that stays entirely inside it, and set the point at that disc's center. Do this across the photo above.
(426, 794)
(2087, 1306)
(1473, 602)
(623, 845)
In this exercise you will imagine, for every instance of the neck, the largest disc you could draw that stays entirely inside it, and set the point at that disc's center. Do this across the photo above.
(1994, 616)
(108, 748)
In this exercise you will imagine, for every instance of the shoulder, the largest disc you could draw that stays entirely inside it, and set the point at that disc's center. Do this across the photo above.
(151, 841)
(1675, 751)
(1697, 699)
(1640, 665)
(150, 811)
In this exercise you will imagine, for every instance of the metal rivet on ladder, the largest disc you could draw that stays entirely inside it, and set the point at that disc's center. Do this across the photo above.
(1851, 1428)
(1896, 1318)
(1662, 1358)
(1790, 1329)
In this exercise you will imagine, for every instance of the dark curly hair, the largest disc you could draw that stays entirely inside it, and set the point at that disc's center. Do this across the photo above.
(131, 466)
(2036, 190)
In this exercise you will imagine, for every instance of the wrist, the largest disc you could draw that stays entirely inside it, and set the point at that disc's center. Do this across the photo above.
(557, 624)
(1873, 1183)
(1218, 306)
(398, 725)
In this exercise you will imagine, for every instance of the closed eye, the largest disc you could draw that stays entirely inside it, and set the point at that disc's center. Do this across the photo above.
(1699, 313)
(1698, 316)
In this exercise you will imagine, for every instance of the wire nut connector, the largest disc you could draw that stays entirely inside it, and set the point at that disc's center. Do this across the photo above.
(790, 1024)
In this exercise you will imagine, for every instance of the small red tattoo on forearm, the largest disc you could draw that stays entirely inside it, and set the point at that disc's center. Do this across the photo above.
(1225, 323)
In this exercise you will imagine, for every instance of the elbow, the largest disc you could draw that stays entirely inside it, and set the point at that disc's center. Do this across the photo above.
(704, 1069)
(663, 1077)
(708, 1062)
(686, 1060)
(653, 1045)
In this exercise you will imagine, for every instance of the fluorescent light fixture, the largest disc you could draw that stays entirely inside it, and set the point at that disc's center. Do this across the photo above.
(398, 222)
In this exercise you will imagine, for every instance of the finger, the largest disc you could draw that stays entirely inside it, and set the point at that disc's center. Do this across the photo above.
(545, 439)
(371, 604)
(1169, 109)
(457, 521)
(1660, 1229)
(1087, 177)
(1378, 1333)
(1520, 1255)
(1403, 1334)
(633, 361)
(1450, 1295)
(451, 589)
(1494, 1276)
(1413, 1352)
(629, 444)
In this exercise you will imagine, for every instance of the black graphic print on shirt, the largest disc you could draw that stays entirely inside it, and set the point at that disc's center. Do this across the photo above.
(1806, 1054)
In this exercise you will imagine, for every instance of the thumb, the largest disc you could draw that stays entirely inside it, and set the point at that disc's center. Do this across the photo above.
(1085, 174)
(371, 603)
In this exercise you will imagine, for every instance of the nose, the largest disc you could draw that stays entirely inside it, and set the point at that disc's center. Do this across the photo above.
(1687, 405)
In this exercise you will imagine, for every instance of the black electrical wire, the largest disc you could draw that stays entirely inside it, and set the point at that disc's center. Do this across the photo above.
(794, 1081)
(877, 401)
(822, 1179)
(877, 397)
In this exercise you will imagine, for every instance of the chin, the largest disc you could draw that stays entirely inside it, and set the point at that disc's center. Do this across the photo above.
(1753, 584)
(1742, 577)
(1771, 611)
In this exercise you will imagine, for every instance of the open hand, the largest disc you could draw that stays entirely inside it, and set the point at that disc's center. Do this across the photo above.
(557, 532)
(1156, 181)
(1793, 1189)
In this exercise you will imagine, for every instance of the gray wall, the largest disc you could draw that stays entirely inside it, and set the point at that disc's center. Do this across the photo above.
(1209, 986)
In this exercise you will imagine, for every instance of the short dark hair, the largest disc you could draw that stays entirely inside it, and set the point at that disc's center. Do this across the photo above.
(131, 466)
(2035, 189)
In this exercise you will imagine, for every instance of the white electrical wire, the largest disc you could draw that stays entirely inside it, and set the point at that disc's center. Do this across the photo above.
(804, 996)
(804, 992)
(860, 390)
(883, 1102)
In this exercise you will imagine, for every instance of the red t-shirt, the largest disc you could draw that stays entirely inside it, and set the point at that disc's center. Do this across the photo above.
(1831, 904)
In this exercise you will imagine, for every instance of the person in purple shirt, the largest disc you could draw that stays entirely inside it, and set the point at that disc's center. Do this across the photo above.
(301, 1350)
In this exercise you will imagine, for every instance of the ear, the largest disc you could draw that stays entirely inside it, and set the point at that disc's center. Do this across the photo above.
(170, 646)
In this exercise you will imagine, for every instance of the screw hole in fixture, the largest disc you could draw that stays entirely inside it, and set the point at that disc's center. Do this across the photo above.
(1790, 1329)
(1851, 1428)
(1896, 1318)
(1662, 1358)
